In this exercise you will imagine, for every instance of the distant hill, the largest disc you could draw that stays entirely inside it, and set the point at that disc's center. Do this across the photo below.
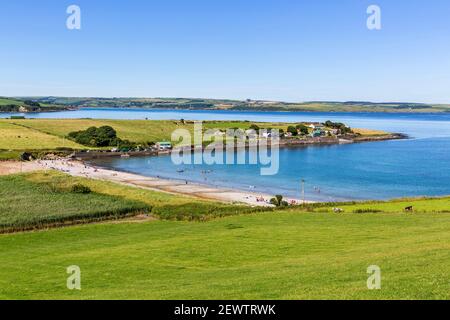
(27, 105)
(225, 104)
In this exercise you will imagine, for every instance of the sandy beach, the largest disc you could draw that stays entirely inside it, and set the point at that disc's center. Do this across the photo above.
(80, 169)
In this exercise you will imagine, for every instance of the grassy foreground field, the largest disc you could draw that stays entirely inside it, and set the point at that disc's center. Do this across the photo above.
(283, 255)
(247, 254)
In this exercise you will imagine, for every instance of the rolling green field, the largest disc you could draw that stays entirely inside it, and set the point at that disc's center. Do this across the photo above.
(8, 101)
(16, 137)
(34, 135)
(248, 253)
(283, 255)
(133, 130)
(48, 134)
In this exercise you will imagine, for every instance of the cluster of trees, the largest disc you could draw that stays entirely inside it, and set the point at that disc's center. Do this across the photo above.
(299, 129)
(104, 136)
(343, 129)
(294, 130)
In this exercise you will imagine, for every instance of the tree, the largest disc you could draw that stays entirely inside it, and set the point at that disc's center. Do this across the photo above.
(343, 129)
(255, 127)
(303, 129)
(278, 201)
(292, 130)
(99, 137)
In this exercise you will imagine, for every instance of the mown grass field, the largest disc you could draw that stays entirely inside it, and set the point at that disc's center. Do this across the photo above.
(283, 255)
(425, 205)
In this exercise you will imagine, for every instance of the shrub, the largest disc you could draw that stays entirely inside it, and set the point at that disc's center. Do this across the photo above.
(278, 201)
(367, 211)
(79, 188)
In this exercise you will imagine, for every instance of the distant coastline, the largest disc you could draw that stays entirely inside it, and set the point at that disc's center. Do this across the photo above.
(50, 104)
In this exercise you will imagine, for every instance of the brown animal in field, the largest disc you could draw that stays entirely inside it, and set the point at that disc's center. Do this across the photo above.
(409, 209)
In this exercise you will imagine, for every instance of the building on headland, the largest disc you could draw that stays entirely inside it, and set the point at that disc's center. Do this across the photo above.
(164, 145)
(317, 133)
(316, 125)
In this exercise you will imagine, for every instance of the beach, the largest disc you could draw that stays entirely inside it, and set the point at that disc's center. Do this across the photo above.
(181, 187)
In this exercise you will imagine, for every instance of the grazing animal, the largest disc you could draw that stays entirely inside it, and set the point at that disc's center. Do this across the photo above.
(338, 210)
(409, 209)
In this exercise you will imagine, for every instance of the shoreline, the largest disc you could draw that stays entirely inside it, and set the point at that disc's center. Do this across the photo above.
(176, 187)
(257, 110)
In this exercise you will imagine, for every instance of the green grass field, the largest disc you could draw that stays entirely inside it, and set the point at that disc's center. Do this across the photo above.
(16, 137)
(425, 205)
(133, 130)
(246, 254)
(284, 255)
(8, 101)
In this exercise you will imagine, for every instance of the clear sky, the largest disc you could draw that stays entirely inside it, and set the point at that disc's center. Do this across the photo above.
(292, 50)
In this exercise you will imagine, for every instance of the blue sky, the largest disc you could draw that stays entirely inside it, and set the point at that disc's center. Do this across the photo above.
(293, 50)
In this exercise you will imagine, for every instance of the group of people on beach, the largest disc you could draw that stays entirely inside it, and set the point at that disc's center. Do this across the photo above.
(260, 199)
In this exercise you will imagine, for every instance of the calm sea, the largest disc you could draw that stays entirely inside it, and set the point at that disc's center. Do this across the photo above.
(378, 170)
